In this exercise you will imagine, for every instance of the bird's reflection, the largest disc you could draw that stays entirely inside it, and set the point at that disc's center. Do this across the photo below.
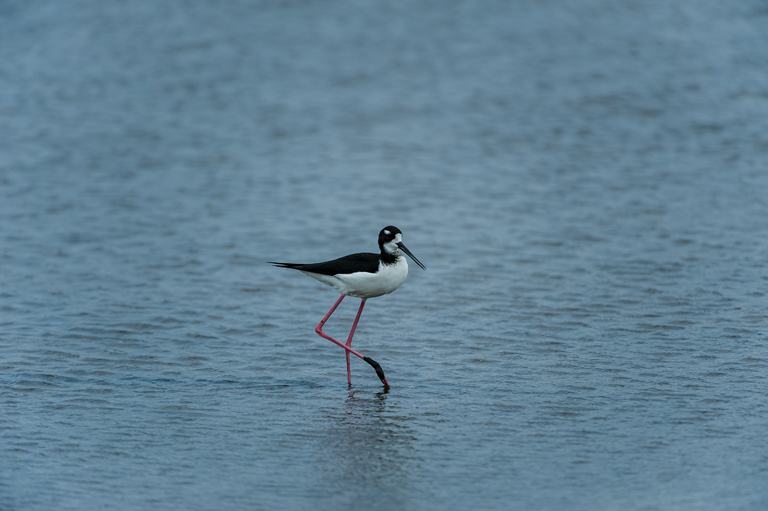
(381, 395)
(368, 450)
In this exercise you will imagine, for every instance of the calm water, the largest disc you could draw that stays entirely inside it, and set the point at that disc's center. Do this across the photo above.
(586, 182)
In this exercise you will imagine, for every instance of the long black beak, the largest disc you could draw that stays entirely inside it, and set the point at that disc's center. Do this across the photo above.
(408, 253)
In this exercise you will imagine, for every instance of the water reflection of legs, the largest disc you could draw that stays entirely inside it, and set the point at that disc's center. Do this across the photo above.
(381, 396)
(369, 447)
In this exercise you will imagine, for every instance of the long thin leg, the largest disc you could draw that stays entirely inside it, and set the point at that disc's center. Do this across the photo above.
(349, 340)
(369, 360)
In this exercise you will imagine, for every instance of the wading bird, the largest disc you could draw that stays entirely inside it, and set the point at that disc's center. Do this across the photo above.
(364, 276)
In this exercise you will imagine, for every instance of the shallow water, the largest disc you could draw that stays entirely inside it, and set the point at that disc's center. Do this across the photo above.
(585, 183)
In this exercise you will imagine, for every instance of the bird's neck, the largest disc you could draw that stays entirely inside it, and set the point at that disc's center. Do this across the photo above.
(388, 258)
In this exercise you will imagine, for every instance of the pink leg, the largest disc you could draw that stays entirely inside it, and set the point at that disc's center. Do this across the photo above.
(349, 340)
(319, 331)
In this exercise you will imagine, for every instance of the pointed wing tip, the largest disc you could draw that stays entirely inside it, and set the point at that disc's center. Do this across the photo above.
(281, 265)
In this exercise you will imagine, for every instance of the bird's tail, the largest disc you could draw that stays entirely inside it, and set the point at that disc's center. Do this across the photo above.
(293, 266)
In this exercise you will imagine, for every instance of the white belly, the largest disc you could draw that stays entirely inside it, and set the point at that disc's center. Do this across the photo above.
(368, 285)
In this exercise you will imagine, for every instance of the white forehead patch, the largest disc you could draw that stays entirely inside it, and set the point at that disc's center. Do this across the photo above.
(387, 232)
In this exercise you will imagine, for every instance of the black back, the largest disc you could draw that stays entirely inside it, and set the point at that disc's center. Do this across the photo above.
(363, 262)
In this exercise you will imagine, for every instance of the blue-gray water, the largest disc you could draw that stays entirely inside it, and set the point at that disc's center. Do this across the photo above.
(586, 182)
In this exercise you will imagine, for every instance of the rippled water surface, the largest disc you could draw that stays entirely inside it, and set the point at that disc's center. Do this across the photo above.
(586, 182)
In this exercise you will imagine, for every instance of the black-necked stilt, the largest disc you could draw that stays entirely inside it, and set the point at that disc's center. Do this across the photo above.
(363, 276)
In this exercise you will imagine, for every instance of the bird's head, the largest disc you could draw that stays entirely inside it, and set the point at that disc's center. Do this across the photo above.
(391, 242)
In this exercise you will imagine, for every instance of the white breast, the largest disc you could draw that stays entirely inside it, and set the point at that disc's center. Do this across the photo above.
(368, 285)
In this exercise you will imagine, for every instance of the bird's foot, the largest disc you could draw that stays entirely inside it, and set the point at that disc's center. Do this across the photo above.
(379, 370)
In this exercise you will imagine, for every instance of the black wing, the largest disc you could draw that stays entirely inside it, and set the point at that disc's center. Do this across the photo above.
(363, 262)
